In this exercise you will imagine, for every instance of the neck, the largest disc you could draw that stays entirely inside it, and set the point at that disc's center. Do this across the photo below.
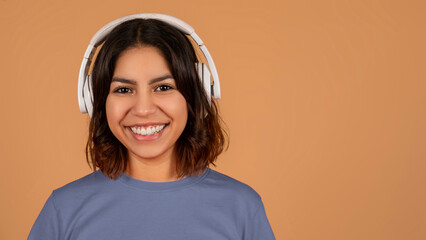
(162, 169)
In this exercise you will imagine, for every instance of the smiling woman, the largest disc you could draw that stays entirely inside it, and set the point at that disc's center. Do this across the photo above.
(146, 113)
(138, 56)
(154, 131)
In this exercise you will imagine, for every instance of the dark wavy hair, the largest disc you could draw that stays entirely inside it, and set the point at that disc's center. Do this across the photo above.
(203, 138)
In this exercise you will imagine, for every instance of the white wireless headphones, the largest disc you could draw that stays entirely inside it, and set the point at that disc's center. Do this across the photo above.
(85, 95)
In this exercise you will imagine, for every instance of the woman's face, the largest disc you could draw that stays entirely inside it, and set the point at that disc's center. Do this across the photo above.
(145, 111)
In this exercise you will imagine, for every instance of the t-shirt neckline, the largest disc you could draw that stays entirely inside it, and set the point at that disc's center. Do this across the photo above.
(161, 186)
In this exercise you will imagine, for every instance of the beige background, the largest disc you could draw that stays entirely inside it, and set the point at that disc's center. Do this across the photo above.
(324, 100)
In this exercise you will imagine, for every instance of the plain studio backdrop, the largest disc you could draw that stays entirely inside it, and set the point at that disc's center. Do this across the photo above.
(324, 102)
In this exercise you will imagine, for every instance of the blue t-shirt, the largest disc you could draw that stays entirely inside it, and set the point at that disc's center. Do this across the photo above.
(210, 206)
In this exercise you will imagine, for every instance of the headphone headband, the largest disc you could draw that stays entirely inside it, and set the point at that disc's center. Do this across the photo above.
(85, 95)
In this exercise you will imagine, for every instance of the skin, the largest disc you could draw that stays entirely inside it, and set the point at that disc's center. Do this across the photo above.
(144, 91)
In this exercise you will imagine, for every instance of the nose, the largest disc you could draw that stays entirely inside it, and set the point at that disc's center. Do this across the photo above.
(144, 105)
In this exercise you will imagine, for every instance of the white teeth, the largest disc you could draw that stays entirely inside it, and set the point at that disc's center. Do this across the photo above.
(148, 131)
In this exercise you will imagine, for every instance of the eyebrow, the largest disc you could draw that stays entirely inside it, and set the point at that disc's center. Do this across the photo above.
(152, 81)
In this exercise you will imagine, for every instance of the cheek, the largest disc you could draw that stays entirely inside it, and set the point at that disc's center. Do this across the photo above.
(182, 110)
(113, 112)
(177, 109)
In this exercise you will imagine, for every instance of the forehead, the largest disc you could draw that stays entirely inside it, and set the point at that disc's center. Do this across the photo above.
(141, 63)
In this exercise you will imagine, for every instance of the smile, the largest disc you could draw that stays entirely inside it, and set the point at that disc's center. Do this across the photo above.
(147, 131)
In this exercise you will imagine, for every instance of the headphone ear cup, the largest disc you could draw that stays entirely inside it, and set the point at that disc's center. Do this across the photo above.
(204, 74)
(88, 95)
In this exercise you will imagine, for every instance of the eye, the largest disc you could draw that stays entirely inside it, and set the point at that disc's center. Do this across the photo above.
(122, 90)
(163, 88)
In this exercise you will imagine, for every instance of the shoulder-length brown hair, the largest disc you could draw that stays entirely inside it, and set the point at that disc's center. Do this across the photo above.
(203, 138)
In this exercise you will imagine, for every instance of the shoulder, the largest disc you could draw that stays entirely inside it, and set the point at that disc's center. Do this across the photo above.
(226, 182)
(234, 190)
(81, 188)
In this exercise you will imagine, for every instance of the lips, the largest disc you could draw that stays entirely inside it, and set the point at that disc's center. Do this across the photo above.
(146, 131)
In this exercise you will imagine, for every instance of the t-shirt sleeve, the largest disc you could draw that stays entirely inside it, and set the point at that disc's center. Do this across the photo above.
(259, 227)
(46, 226)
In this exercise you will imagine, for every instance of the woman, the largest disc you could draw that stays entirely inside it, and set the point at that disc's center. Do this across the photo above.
(154, 131)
